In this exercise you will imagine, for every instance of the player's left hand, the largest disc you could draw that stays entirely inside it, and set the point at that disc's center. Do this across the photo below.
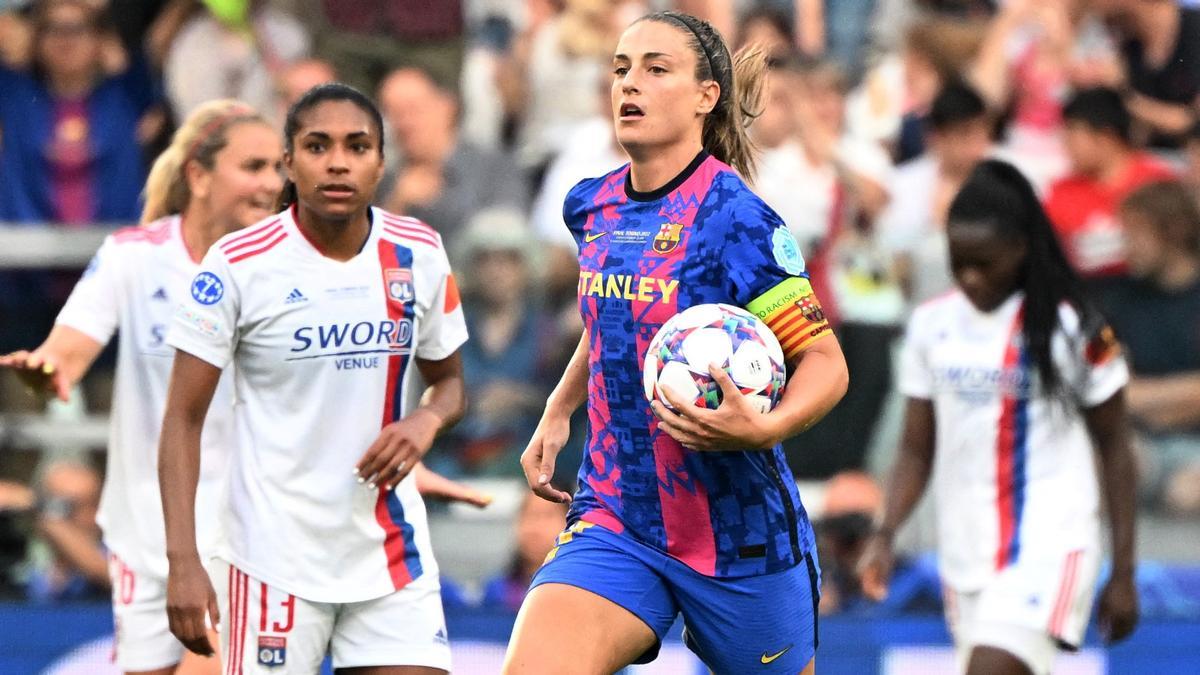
(399, 447)
(1118, 608)
(734, 425)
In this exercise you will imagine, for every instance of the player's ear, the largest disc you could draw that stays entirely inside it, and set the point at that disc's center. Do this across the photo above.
(710, 92)
(288, 172)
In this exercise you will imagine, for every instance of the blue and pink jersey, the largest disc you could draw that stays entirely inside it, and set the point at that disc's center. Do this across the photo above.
(702, 238)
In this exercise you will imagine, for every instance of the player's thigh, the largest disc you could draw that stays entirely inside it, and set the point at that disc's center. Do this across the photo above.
(402, 632)
(761, 624)
(564, 630)
(597, 605)
(142, 640)
(268, 631)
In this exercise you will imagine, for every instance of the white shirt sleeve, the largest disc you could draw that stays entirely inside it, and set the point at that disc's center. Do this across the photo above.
(916, 378)
(205, 323)
(94, 307)
(1105, 369)
(443, 328)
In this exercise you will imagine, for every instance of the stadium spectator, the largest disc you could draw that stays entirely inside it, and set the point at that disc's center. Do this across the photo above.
(770, 29)
(299, 77)
(913, 225)
(72, 129)
(76, 567)
(441, 179)
(1105, 168)
(245, 52)
(547, 83)
(538, 523)
(1160, 44)
(1156, 315)
(367, 39)
(506, 363)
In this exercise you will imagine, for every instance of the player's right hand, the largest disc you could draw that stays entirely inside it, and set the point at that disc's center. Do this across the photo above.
(538, 459)
(875, 567)
(190, 596)
(38, 372)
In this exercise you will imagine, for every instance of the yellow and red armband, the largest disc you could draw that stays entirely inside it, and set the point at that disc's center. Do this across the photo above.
(791, 310)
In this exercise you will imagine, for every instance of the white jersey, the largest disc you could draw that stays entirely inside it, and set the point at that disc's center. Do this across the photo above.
(322, 352)
(1014, 474)
(132, 286)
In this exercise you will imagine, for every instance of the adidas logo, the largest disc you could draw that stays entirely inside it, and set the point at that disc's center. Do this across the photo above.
(294, 297)
(440, 636)
(160, 294)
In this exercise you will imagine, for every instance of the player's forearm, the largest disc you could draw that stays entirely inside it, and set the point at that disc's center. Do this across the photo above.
(446, 399)
(822, 370)
(178, 475)
(913, 467)
(1169, 118)
(571, 391)
(1117, 467)
(71, 351)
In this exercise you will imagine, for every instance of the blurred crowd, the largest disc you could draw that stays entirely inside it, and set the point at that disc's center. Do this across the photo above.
(875, 113)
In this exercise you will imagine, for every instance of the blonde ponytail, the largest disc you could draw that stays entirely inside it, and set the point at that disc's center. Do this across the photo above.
(725, 135)
(201, 136)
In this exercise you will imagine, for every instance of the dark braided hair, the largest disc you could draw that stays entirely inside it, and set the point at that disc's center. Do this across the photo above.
(998, 195)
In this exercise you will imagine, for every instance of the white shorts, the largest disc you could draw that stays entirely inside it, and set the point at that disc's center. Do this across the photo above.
(142, 638)
(266, 630)
(1030, 609)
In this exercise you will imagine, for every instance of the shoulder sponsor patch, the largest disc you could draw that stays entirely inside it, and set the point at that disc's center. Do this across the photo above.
(207, 288)
(201, 322)
(787, 251)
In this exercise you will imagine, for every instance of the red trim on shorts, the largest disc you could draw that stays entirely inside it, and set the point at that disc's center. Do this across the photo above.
(1066, 591)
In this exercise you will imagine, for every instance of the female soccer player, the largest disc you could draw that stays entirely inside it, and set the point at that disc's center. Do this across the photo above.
(1012, 381)
(219, 175)
(322, 309)
(694, 513)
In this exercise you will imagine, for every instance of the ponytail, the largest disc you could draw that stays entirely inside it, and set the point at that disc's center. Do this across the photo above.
(740, 78)
(201, 136)
(999, 195)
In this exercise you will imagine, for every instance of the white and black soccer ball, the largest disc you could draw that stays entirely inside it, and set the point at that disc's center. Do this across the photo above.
(729, 336)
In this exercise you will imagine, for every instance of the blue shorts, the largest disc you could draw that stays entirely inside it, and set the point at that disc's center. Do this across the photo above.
(759, 624)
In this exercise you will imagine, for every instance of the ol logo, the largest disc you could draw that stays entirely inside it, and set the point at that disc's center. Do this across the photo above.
(399, 284)
(272, 650)
(667, 238)
(207, 289)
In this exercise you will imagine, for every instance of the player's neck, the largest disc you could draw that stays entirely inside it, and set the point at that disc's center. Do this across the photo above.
(652, 168)
(336, 239)
(1116, 163)
(200, 230)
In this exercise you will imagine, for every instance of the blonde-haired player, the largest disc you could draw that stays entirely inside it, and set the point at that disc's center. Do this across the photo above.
(220, 174)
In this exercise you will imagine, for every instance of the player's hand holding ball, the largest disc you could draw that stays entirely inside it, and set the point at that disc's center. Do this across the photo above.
(713, 373)
(399, 447)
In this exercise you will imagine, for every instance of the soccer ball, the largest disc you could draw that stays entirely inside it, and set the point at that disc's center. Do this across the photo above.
(729, 336)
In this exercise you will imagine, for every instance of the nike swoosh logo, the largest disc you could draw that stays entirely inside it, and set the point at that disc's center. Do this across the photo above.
(589, 238)
(767, 659)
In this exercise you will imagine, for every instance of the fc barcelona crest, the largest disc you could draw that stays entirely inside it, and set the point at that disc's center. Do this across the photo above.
(811, 309)
(667, 238)
(399, 284)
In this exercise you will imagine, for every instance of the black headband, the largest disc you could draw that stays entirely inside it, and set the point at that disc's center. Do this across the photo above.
(679, 19)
